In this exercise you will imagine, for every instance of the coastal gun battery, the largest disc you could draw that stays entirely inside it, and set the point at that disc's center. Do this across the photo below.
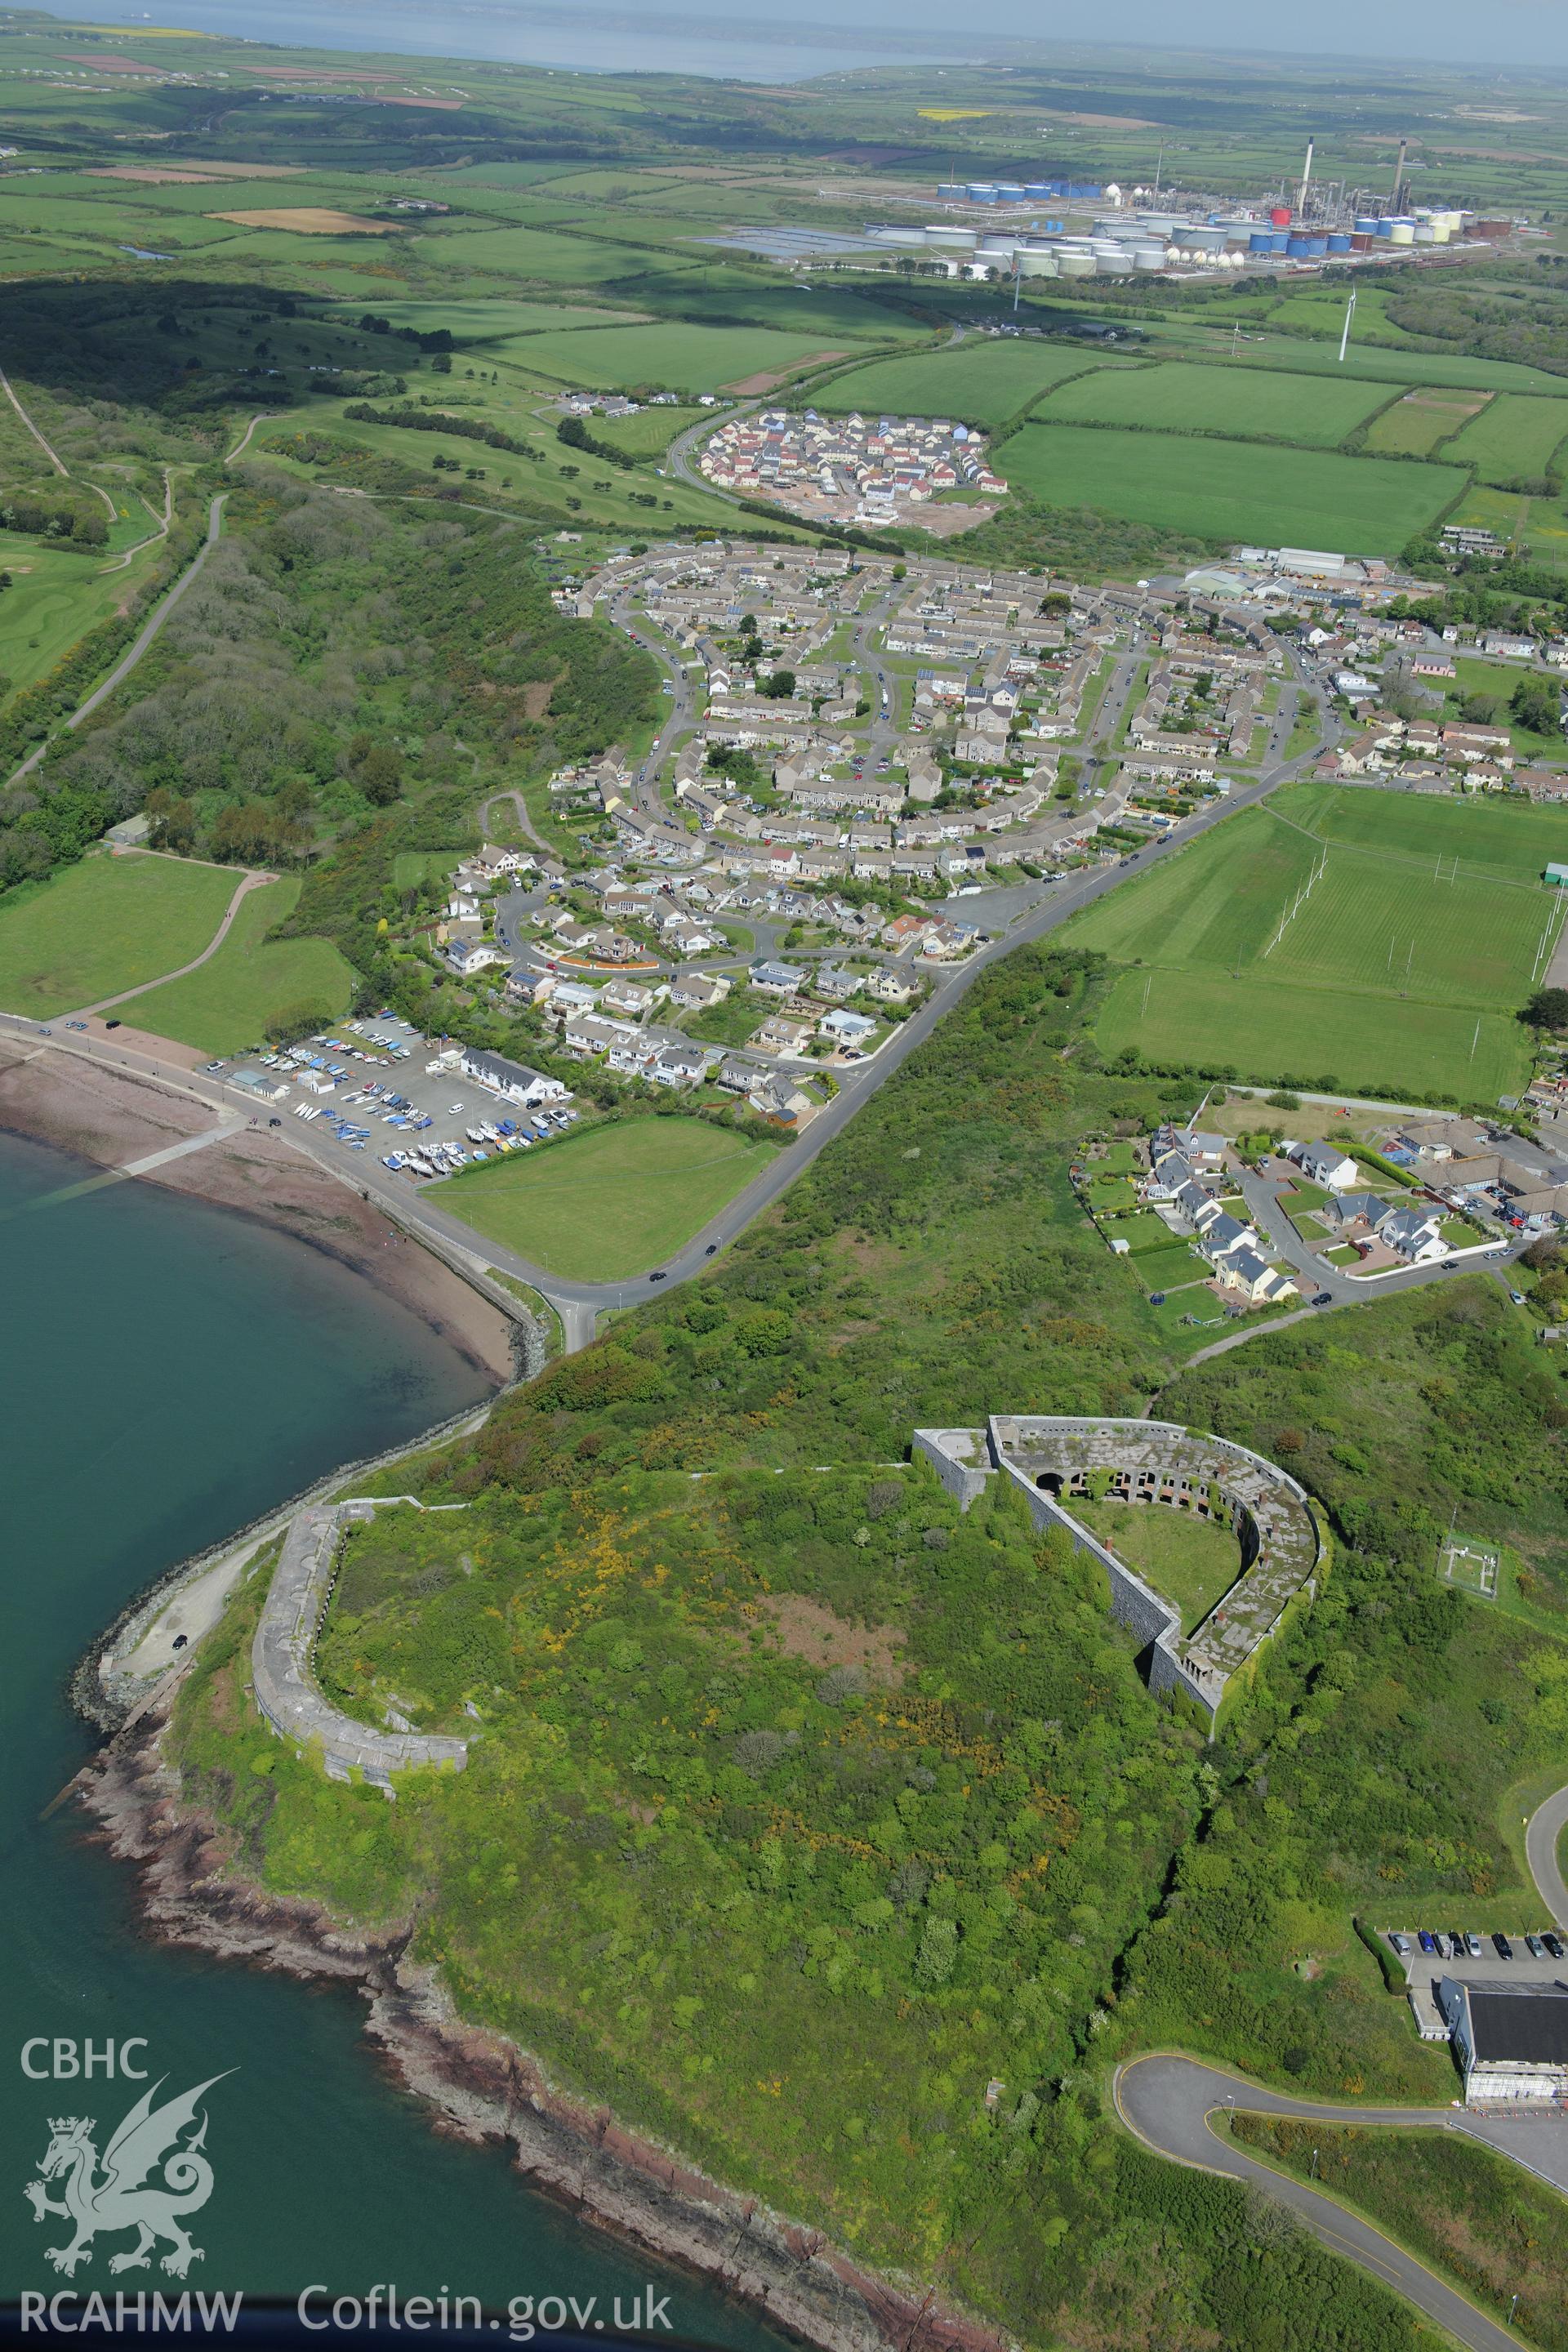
(283, 1675)
(1055, 1457)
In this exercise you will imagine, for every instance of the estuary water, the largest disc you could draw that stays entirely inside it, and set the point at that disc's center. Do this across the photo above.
(169, 1370)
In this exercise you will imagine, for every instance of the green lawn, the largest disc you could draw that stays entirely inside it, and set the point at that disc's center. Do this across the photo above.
(1179, 397)
(1513, 435)
(107, 924)
(981, 382)
(610, 1202)
(56, 598)
(648, 433)
(1189, 1562)
(1237, 490)
(1379, 980)
(227, 1004)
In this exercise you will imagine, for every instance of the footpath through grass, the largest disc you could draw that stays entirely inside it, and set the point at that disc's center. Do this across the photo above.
(610, 1202)
(228, 1005)
(105, 924)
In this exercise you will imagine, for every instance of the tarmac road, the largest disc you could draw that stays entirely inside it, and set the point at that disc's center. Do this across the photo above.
(1167, 2101)
(1542, 1841)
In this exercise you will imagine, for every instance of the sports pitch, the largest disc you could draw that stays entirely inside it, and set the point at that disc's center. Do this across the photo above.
(1393, 962)
(1233, 489)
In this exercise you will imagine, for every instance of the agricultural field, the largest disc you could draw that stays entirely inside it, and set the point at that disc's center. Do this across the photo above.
(613, 1202)
(983, 384)
(1235, 490)
(1414, 425)
(1403, 967)
(1187, 337)
(1176, 397)
(107, 924)
(669, 354)
(228, 1005)
(1512, 438)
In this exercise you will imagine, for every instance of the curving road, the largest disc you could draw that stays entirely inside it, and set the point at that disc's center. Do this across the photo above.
(1542, 1845)
(1167, 2101)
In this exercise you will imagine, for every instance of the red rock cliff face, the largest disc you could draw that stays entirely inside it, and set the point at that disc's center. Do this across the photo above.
(483, 2087)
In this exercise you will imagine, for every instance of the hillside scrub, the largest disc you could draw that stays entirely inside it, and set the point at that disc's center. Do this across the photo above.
(860, 1803)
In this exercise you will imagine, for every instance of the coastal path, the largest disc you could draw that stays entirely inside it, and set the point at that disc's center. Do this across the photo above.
(266, 418)
(149, 629)
(1166, 2101)
(247, 883)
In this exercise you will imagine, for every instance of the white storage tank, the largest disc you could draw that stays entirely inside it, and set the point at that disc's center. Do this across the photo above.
(1402, 232)
(1148, 257)
(1034, 263)
(952, 240)
(1075, 265)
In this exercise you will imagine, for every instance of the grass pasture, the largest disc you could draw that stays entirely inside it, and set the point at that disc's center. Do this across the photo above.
(1395, 971)
(1233, 489)
(107, 924)
(1513, 436)
(227, 1004)
(668, 351)
(1308, 411)
(1414, 425)
(981, 382)
(613, 1202)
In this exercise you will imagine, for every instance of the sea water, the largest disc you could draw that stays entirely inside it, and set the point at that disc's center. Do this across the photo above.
(169, 1370)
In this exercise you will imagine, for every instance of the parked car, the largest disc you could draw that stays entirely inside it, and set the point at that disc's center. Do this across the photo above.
(1501, 1946)
(1457, 1943)
(1517, 1296)
(1536, 1947)
(1554, 1944)
(1428, 1941)
(1400, 1944)
(1323, 1298)
(1473, 1945)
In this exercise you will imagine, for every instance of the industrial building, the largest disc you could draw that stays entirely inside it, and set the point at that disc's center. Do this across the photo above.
(1306, 226)
(1511, 2044)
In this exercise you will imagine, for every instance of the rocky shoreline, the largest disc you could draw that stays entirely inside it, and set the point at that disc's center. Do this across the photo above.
(483, 2088)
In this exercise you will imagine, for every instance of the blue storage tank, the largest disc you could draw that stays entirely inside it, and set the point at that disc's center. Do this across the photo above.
(1366, 224)
(1298, 248)
(1090, 190)
(1281, 237)
(980, 191)
(950, 190)
(1011, 192)
(1383, 229)
(1038, 188)
(1316, 245)
(1338, 244)
(1260, 241)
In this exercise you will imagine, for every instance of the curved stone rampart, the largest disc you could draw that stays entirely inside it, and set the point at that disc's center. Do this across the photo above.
(1057, 1457)
(283, 1677)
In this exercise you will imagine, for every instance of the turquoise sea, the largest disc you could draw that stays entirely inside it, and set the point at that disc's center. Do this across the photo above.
(170, 1370)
